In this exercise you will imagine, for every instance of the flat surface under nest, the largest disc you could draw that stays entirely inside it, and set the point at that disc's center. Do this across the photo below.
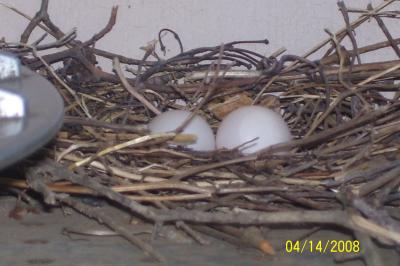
(38, 239)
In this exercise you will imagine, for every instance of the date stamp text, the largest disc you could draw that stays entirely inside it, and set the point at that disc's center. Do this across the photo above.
(322, 246)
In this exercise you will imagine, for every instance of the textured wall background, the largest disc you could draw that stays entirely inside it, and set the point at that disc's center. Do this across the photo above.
(295, 24)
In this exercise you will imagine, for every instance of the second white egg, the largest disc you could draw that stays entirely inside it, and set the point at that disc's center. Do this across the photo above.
(264, 126)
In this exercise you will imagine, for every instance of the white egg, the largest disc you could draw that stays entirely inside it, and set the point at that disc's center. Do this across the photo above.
(171, 120)
(250, 122)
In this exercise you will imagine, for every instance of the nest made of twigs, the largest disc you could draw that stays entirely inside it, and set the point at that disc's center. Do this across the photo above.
(342, 167)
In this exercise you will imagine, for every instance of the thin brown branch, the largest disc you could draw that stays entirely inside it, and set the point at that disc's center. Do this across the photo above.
(105, 30)
(132, 90)
(343, 9)
(386, 32)
(110, 222)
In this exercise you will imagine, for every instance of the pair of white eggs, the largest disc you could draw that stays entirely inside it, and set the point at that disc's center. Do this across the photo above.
(254, 127)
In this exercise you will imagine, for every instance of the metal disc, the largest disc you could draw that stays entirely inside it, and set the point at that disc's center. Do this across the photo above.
(45, 111)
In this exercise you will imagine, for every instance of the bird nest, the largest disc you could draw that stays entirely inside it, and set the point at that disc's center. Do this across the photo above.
(342, 167)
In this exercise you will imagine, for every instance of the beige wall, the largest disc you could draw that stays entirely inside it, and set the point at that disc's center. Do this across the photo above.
(295, 24)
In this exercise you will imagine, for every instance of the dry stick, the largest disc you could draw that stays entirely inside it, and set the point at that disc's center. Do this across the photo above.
(170, 198)
(96, 51)
(242, 74)
(164, 151)
(358, 72)
(179, 224)
(43, 27)
(364, 225)
(64, 173)
(208, 230)
(251, 236)
(162, 137)
(341, 59)
(58, 34)
(341, 65)
(386, 32)
(46, 20)
(264, 89)
(102, 124)
(308, 203)
(391, 14)
(329, 133)
(67, 38)
(332, 217)
(132, 90)
(35, 21)
(362, 50)
(105, 30)
(253, 189)
(22, 184)
(72, 189)
(338, 217)
(327, 217)
(379, 216)
(349, 30)
(202, 168)
(353, 90)
(151, 176)
(368, 14)
(136, 142)
(54, 74)
(43, 16)
(117, 171)
(25, 16)
(381, 196)
(149, 50)
(377, 182)
(209, 93)
(202, 193)
(342, 31)
(320, 217)
(37, 182)
(162, 185)
(101, 232)
(110, 222)
(379, 45)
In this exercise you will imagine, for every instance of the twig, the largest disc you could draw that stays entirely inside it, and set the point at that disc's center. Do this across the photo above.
(376, 183)
(105, 30)
(386, 32)
(343, 9)
(110, 222)
(132, 90)
(352, 90)
(342, 31)
(176, 36)
(101, 124)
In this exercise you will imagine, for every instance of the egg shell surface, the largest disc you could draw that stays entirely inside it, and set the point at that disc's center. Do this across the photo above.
(250, 122)
(171, 120)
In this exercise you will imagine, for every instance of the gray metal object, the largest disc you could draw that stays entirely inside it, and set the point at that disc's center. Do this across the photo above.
(13, 105)
(12, 102)
(37, 118)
